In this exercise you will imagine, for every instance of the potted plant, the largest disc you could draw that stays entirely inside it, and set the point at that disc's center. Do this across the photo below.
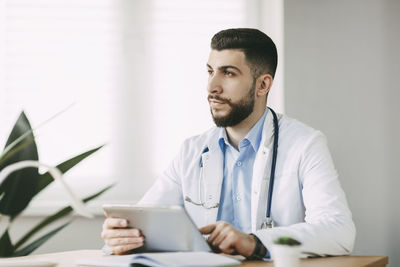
(20, 182)
(286, 252)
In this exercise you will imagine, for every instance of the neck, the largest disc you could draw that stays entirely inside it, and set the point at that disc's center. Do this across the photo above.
(238, 132)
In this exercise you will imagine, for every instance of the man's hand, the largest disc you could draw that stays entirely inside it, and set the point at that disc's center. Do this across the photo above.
(228, 239)
(119, 238)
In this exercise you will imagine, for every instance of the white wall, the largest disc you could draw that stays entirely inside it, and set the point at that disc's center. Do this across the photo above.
(341, 76)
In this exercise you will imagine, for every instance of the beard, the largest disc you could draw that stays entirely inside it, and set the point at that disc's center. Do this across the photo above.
(239, 111)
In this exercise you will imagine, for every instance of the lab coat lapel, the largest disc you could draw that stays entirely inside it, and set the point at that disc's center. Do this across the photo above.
(213, 176)
(261, 174)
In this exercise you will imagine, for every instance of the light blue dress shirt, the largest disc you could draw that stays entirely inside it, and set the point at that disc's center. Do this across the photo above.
(235, 202)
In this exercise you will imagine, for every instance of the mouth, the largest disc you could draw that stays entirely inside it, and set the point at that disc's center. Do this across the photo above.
(216, 103)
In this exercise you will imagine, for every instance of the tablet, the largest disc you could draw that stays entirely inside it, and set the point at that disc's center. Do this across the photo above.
(166, 228)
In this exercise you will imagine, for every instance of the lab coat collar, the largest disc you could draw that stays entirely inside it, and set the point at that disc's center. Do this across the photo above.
(212, 161)
(268, 131)
(261, 174)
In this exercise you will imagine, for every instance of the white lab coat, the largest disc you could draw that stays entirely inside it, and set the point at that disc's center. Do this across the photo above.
(308, 202)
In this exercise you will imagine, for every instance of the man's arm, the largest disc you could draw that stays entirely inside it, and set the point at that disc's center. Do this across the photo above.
(328, 228)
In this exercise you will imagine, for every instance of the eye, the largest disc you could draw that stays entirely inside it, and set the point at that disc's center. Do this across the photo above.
(210, 72)
(228, 73)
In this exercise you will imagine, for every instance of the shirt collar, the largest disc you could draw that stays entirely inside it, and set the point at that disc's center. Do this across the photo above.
(222, 139)
(254, 136)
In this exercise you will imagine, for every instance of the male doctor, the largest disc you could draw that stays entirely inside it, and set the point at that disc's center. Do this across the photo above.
(222, 177)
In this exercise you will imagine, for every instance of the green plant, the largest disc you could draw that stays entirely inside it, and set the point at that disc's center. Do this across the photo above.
(288, 241)
(21, 186)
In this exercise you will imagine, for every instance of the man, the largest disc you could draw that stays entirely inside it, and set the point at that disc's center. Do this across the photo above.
(232, 165)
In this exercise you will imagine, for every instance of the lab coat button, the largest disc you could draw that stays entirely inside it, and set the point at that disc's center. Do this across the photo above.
(238, 198)
(239, 163)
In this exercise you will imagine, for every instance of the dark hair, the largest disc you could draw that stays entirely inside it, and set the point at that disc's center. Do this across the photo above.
(259, 49)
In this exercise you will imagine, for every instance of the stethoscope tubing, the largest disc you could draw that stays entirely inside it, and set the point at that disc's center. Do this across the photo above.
(273, 164)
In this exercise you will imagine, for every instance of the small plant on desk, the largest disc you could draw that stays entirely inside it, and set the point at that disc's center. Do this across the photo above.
(286, 252)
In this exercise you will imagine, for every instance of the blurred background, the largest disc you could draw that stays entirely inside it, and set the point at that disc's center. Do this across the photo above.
(132, 74)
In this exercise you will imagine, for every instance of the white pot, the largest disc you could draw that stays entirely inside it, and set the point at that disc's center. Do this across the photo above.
(286, 256)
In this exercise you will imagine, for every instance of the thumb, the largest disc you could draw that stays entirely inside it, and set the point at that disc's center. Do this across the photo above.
(208, 229)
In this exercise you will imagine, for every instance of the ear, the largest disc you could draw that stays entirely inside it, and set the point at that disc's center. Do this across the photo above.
(265, 83)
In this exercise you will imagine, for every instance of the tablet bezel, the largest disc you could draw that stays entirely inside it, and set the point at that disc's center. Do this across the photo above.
(166, 228)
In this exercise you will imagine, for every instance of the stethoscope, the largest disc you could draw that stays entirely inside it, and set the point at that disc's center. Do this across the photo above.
(268, 222)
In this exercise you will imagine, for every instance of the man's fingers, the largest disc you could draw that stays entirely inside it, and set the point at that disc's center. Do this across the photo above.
(118, 250)
(111, 223)
(217, 240)
(119, 238)
(208, 229)
(226, 238)
(213, 236)
(228, 250)
(115, 233)
(227, 244)
(219, 229)
(113, 242)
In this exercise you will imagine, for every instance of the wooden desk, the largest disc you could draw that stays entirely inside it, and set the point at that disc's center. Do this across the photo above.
(68, 259)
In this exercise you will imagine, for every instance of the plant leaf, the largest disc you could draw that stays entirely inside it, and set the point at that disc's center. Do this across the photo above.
(58, 215)
(45, 179)
(39, 182)
(15, 142)
(20, 186)
(38, 242)
(6, 247)
(11, 146)
(15, 149)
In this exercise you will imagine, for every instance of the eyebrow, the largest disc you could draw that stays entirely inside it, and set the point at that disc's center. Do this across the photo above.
(226, 67)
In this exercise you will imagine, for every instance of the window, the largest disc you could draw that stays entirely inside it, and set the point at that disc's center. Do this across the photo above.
(135, 71)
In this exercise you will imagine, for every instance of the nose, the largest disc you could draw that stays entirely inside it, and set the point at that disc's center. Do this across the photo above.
(214, 85)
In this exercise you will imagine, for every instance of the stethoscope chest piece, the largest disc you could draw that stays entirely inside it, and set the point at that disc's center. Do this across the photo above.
(267, 224)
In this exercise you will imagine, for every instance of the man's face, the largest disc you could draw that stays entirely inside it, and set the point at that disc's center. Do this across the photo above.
(231, 87)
